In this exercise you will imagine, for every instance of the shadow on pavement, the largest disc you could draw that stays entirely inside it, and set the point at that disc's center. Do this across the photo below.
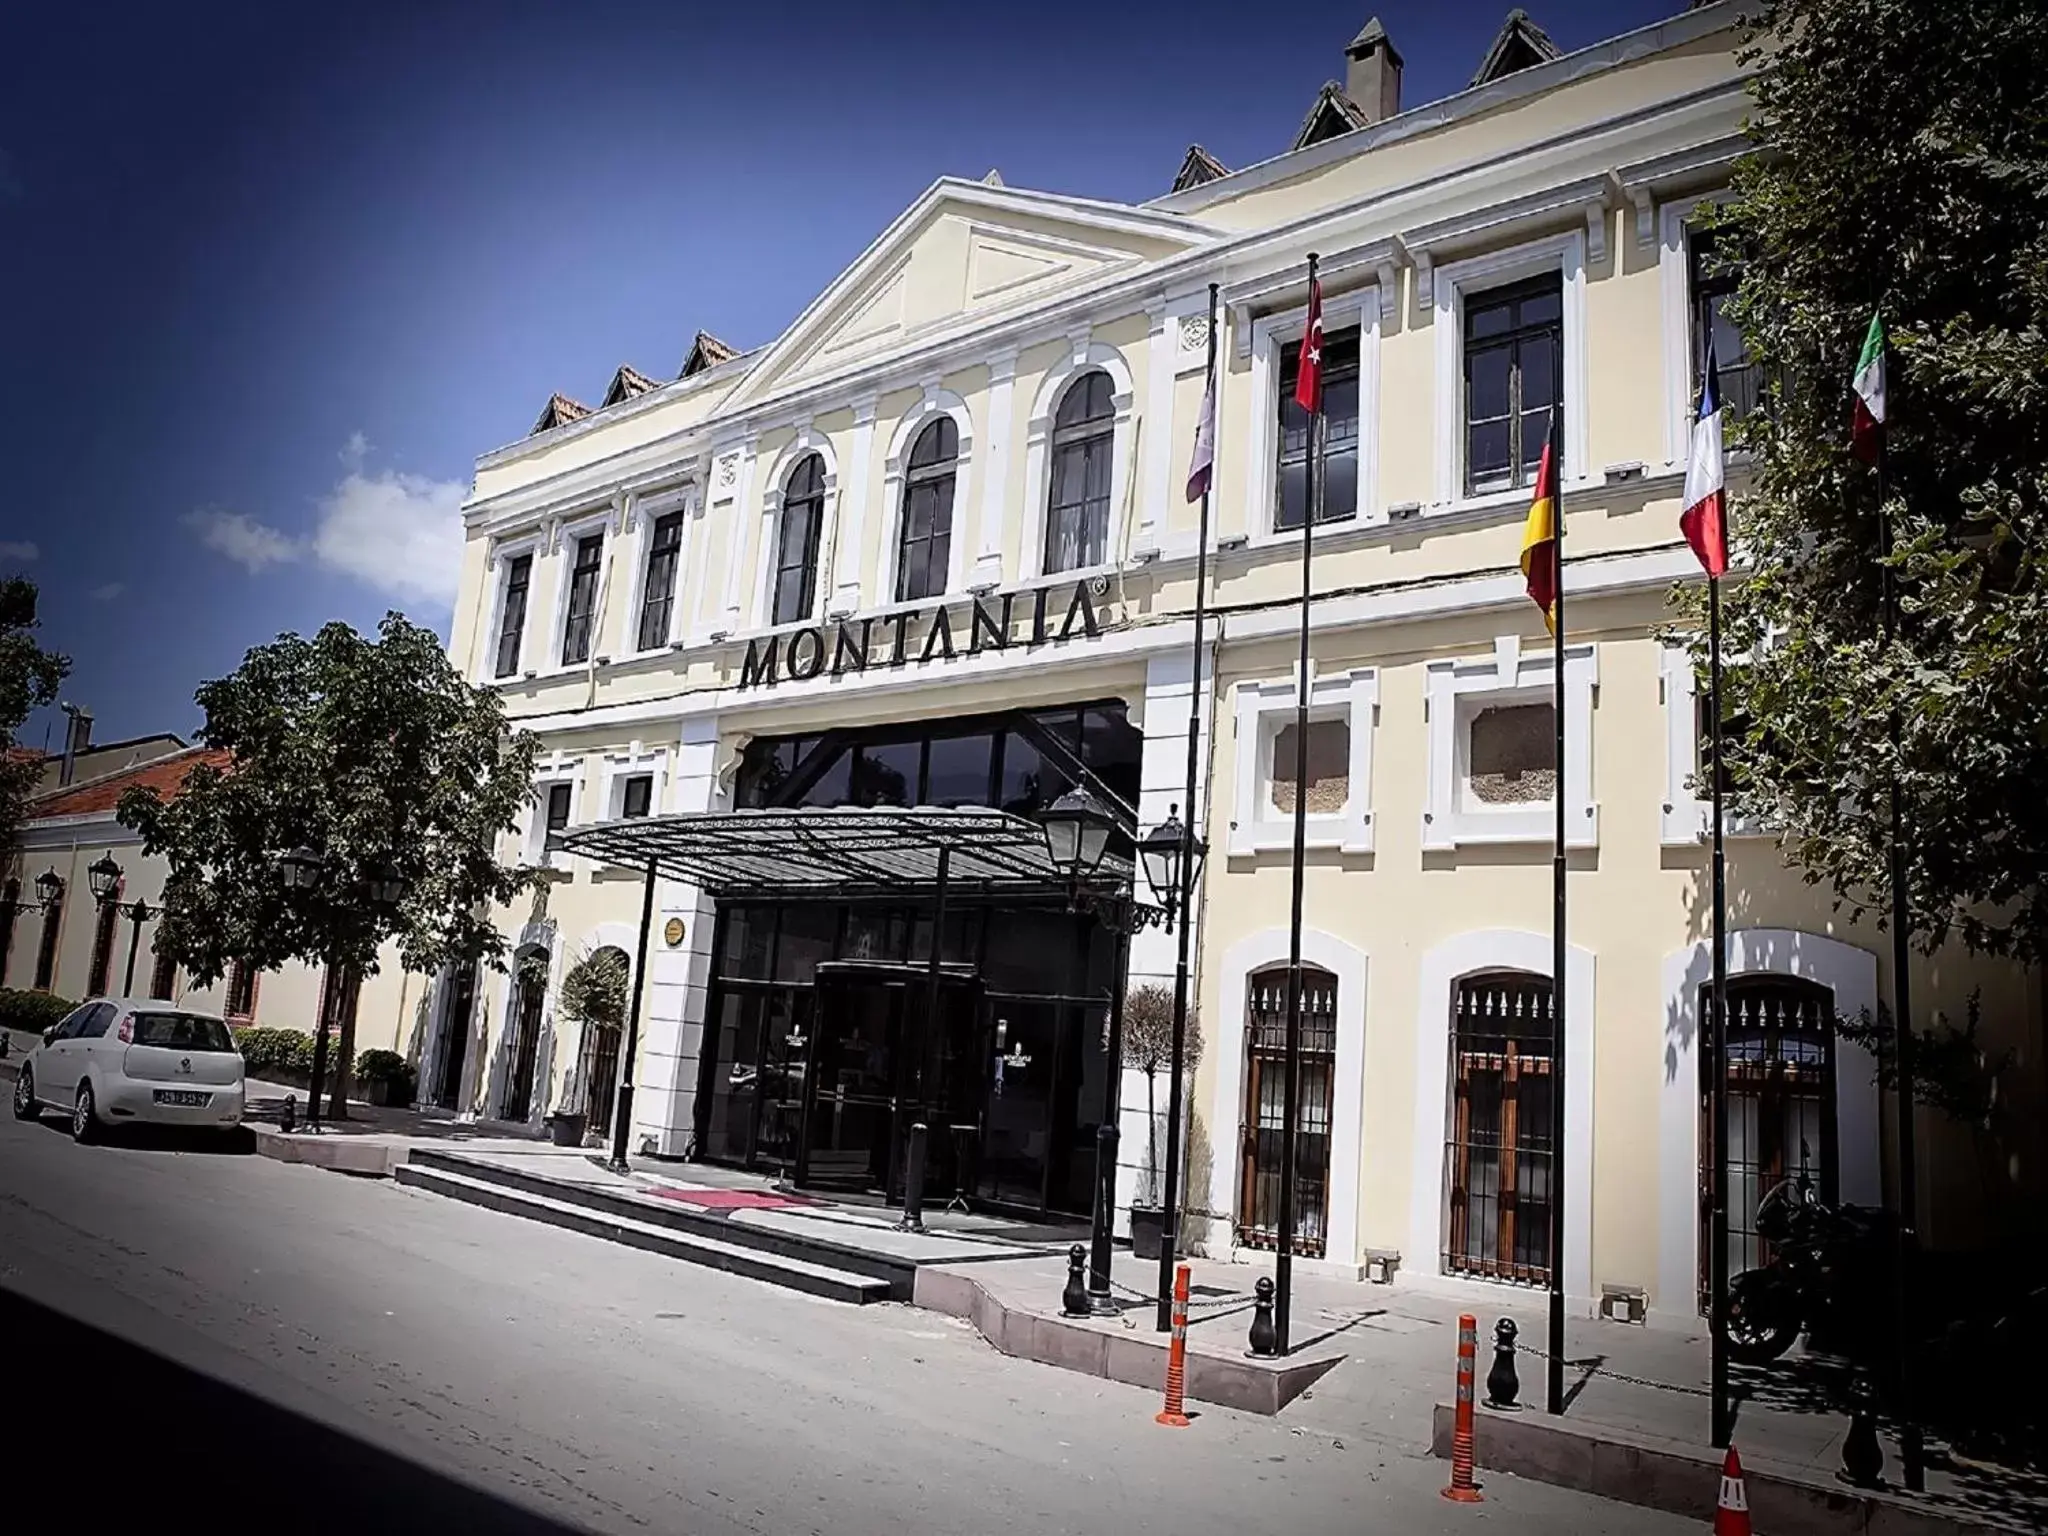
(306, 1476)
(165, 1138)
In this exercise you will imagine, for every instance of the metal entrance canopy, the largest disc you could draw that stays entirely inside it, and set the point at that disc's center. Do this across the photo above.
(841, 851)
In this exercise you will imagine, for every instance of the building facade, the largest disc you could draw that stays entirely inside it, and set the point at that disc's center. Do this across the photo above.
(931, 546)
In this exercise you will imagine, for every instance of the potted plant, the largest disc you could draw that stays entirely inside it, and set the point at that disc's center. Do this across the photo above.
(387, 1077)
(594, 996)
(1148, 1046)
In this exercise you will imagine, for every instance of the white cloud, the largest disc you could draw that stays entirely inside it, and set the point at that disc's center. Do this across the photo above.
(18, 553)
(254, 546)
(398, 534)
(108, 592)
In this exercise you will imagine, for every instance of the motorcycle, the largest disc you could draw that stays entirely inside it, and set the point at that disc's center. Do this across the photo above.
(1828, 1277)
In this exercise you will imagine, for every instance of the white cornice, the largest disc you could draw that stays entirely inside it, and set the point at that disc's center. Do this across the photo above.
(1248, 259)
(730, 372)
(1432, 116)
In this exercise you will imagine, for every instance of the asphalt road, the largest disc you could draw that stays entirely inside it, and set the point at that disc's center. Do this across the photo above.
(353, 1355)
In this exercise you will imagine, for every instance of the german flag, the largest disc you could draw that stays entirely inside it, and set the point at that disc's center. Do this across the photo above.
(1542, 535)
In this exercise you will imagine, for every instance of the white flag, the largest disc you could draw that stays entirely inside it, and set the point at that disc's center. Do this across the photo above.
(1204, 465)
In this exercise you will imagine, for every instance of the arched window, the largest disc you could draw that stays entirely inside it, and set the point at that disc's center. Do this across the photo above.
(796, 551)
(924, 542)
(1497, 1153)
(1781, 1104)
(1077, 516)
(1258, 1201)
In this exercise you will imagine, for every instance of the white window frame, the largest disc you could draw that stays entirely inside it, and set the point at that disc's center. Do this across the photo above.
(1455, 690)
(1674, 278)
(642, 512)
(808, 440)
(631, 763)
(1086, 356)
(1270, 335)
(558, 769)
(1687, 815)
(1263, 710)
(1563, 254)
(603, 524)
(960, 537)
(502, 555)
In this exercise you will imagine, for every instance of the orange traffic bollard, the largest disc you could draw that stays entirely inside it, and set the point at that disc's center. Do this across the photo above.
(1175, 1412)
(1731, 1510)
(1462, 1489)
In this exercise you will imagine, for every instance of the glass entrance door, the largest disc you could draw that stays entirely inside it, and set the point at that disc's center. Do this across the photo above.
(855, 1086)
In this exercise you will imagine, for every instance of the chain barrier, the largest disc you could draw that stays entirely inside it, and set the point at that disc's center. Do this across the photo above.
(1593, 1370)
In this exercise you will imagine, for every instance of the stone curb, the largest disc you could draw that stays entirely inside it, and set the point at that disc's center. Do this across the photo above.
(340, 1154)
(1683, 1480)
(1135, 1359)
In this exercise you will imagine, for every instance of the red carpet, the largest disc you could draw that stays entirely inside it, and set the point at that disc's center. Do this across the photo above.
(731, 1199)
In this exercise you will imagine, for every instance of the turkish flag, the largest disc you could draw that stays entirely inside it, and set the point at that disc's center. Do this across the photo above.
(1308, 381)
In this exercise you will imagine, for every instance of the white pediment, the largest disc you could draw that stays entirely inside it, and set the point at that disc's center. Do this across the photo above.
(963, 252)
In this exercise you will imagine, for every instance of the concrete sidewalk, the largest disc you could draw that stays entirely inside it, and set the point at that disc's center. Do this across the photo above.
(1636, 1424)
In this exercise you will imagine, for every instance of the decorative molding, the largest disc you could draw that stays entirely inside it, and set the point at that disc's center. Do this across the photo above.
(1263, 709)
(987, 570)
(847, 537)
(1455, 689)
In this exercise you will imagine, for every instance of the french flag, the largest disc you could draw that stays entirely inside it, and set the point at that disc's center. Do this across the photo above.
(1705, 519)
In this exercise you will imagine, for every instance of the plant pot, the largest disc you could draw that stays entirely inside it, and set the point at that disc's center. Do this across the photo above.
(1148, 1230)
(382, 1092)
(565, 1130)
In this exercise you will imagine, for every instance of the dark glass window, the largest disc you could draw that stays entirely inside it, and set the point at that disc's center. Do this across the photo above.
(1514, 347)
(639, 799)
(887, 773)
(100, 972)
(163, 977)
(241, 1003)
(956, 770)
(46, 948)
(796, 556)
(1340, 429)
(582, 621)
(512, 618)
(925, 542)
(558, 807)
(1083, 436)
(658, 602)
(1713, 295)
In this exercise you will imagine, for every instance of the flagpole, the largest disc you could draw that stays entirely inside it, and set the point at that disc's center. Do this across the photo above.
(1717, 1270)
(1911, 1450)
(1283, 1263)
(1169, 1246)
(1558, 988)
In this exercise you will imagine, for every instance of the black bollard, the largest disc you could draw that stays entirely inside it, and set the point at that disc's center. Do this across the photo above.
(913, 1183)
(1862, 1456)
(288, 1117)
(1502, 1385)
(1265, 1339)
(1074, 1300)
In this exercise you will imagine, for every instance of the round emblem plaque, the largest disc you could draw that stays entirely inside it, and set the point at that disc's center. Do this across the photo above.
(672, 932)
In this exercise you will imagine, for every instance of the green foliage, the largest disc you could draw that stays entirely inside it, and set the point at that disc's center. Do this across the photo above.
(1953, 1072)
(388, 1067)
(279, 1055)
(1148, 1031)
(377, 754)
(31, 1011)
(594, 988)
(29, 678)
(1903, 167)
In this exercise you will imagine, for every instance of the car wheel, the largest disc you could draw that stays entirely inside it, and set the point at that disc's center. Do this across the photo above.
(85, 1120)
(25, 1105)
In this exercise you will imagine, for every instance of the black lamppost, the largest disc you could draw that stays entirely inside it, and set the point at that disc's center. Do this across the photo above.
(103, 877)
(49, 886)
(49, 889)
(1078, 827)
(1172, 855)
(301, 869)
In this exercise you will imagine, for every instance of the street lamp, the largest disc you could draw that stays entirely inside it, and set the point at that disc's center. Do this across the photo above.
(301, 868)
(1077, 828)
(384, 885)
(49, 888)
(1162, 853)
(103, 878)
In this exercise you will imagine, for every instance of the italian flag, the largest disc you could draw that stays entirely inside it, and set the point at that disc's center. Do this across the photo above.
(1866, 433)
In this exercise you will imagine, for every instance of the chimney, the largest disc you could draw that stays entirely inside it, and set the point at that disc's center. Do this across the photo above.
(1372, 72)
(77, 739)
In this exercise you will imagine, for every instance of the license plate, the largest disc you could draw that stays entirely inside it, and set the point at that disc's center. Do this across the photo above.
(184, 1098)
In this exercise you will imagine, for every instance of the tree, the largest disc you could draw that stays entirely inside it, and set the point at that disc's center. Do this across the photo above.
(29, 679)
(379, 757)
(1901, 167)
(1148, 1046)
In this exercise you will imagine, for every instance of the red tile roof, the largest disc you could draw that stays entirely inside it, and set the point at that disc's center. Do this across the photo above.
(166, 776)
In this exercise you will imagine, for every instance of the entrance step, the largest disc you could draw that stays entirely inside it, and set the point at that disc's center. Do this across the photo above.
(556, 1207)
(612, 1198)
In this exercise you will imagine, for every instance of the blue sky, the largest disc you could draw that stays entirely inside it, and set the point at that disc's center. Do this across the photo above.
(275, 275)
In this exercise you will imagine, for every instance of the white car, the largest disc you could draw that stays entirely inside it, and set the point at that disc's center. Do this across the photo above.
(113, 1060)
